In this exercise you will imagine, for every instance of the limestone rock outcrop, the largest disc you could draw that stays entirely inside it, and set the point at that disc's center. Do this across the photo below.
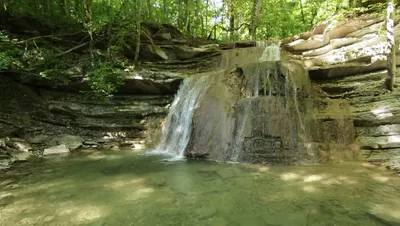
(346, 61)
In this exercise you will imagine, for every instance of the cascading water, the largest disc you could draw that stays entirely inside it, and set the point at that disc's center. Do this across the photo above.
(295, 100)
(178, 127)
(238, 136)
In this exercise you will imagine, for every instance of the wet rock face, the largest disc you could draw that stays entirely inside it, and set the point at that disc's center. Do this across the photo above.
(269, 131)
(262, 111)
(60, 149)
(348, 64)
(38, 114)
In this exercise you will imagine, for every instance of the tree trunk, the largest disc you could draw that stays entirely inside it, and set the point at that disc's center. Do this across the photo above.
(354, 3)
(391, 45)
(255, 19)
(165, 11)
(87, 4)
(231, 20)
(187, 17)
(206, 22)
(180, 16)
(47, 8)
(196, 20)
(302, 13)
(64, 7)
(76, 7)
(149, 10)
(136, 59)
(4, 7)
(110, 22)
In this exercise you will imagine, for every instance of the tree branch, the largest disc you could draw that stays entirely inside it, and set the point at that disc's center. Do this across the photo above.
(48, 36)
(72, 49)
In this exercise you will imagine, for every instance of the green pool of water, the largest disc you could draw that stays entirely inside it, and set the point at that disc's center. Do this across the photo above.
(109, 188)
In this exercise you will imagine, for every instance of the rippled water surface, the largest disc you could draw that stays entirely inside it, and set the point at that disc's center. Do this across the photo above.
(109, 188)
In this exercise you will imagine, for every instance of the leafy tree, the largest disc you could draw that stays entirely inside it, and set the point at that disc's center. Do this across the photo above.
(108, 27)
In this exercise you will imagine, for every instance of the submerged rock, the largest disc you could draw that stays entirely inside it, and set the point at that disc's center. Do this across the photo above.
(21, 155)
(6, 199)
(5, 163)
(3, 144)
(60, 149)
(20, 144)
(70, 142)
(38, 139)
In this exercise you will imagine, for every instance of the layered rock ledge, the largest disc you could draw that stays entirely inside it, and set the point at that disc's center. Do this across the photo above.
(346, 60)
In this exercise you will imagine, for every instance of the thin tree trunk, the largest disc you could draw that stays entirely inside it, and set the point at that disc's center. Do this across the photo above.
(110, 22)
(149, 9)
(164, 11)
(136, 59)
(88, 9)
(87, 4)
(302, 13)
(187, 17)
(180, 16)
(391, 58)
(64, 7)
(76, 6)
(255, 19)
(4, 6)
(196, 18)
(206, 25)
(47, 9)
(231, 20)
(354, 3)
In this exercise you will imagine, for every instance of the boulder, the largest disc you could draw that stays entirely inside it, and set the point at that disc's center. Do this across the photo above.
(20, 144)
(90, 142)
(20, 155)
(38, 139)
(70, 142)
(152, 52)
(60, 149)
(4, 163)
(6, 199)
(394, 164)
(386, 215)
(3, 144)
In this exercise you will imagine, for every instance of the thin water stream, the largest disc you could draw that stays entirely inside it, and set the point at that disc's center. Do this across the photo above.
(122, 188)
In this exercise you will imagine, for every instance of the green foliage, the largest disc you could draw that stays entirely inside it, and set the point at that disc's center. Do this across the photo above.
(278, 18)
(105, 79)
(9, 53)
(5, 61)
(111, 27)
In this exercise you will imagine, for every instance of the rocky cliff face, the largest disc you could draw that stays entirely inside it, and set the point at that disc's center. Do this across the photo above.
(346, 61)
(44, 115)
(267, 111)
(323, 100)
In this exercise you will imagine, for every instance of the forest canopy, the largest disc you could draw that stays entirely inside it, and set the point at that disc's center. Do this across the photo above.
(100, 38)
(225, 20)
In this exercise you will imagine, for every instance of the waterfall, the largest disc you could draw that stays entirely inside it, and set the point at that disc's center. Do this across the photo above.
(178, 127)
(239, 134)
(256, 83)
(295, 100)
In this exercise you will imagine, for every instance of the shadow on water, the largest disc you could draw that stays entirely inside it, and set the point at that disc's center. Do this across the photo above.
(109, 188)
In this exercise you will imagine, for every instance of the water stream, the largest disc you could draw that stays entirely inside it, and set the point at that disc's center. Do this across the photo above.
(122, 188)
(178, 126)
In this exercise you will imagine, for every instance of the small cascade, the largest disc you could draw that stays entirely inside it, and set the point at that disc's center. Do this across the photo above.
(256, 83)
(271, 53)
(178, 127)
(251, 116)
(239, 134)
(295, 99)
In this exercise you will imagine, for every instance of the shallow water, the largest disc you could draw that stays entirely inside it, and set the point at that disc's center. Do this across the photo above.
(109, 188)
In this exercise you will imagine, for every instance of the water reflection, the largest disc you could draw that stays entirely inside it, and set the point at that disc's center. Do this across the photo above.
(111, 188)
